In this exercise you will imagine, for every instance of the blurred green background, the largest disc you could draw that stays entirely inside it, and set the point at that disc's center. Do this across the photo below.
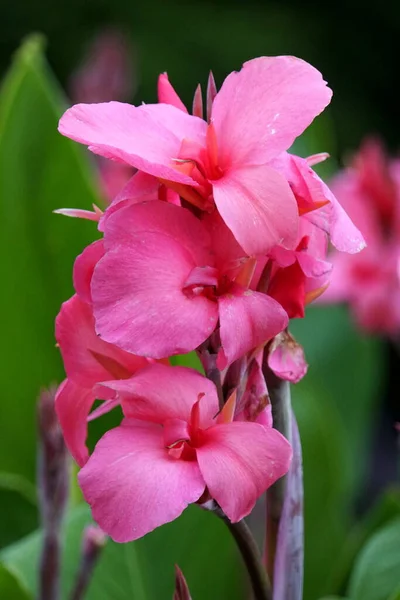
(347, 404)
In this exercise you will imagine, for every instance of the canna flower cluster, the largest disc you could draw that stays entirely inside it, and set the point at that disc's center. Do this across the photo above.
(369, 189)
(215, 243)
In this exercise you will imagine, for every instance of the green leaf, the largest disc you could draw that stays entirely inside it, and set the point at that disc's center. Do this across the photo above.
(18, 503)
(144, 570)
(334, 598)
(10, 587)
(385, 510)
(334, 405)
(376, 574)
(39, 171)
(322, 437)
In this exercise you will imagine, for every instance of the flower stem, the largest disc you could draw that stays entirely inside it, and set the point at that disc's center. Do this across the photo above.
(279, 392)
(251, 557)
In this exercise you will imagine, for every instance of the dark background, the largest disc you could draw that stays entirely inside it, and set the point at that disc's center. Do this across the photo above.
(354, 44)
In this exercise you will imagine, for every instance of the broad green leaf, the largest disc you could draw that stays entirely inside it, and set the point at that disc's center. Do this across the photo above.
(334, 598)
(144, 570)
(10, 586)
(347, 367)
(324, 462)
(334, 404)
(386, 509)
(18, 507)
(376, 574)
(39, 171)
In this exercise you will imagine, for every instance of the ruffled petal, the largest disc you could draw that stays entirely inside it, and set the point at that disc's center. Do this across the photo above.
(73, 404)
(247, 319)
(261, 109)
(83, 269)
(161, 392)
(139, 299)
(259, 208)
(239, 461)
(147, 137)
(134, 486)
(87, 358)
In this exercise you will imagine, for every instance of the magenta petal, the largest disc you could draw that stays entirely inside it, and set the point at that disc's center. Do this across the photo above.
(79, 345)
(333, 219)
(239, 461)
(248, 319)
(83, 269)
(73, 404)
(134, 486)
(138, 292)
(313, 267)
(147, 137)
(160, 392)
(259, 208)
(140, 188)
(163, 218)
(260, 110)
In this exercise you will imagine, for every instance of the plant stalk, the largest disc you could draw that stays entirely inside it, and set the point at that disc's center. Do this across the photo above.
(251, 556)
(279, 392)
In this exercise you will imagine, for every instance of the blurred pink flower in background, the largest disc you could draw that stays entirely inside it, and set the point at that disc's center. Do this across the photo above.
(369, 190)
(107, 72)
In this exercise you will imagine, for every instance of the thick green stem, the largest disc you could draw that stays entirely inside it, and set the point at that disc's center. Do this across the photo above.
(279, 392)
(251, 557)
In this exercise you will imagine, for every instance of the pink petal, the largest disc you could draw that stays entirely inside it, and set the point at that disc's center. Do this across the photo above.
(134, 486)
(163, 218)
(161, 392)
(79, 345)
(260, 110)
(311, 266)
(147, 137)
(247, 319)
(331, 218)
(140, 188)
(73, 404)
(83, 269)
(239, 461)
(227, 253)
(167, 94)
(138, 288)
(259, 208)
(286, 358)
(78, 213)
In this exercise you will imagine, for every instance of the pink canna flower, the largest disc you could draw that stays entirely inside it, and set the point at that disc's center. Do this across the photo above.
(167, 279)
(172, 447)
(107, 73)
(369, 189)
(256, 115)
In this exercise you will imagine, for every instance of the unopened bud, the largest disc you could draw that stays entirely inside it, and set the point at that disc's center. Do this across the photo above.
(93, 541)
(181, 587)
(53, 479)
